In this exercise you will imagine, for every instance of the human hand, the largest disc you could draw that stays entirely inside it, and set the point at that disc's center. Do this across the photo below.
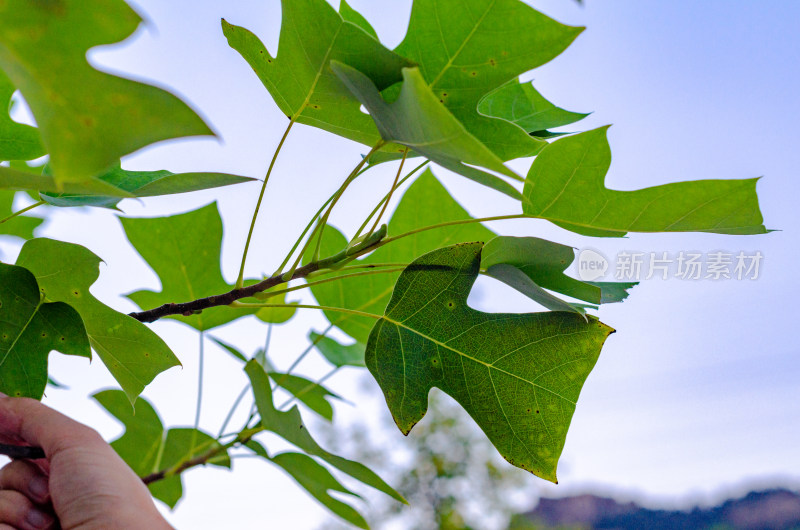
(82, 483)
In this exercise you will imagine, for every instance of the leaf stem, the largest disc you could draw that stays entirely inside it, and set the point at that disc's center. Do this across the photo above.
(240, 278)
(391, 191)
(302, 356)
(22, 211)
(385, 198)
(199, 408)
(388, 240)
(232, 410)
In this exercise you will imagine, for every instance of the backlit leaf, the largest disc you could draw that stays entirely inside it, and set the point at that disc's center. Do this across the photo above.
(289, 426)
(468, 48)
(418, 120)
(318, 481)
(522, 104)
(30, 328)
(19, 226)
(544, 263)
(17, 141)
(132, 352)
(565, 185)
(15, 178)
(184, 251)
(147, 447)
(336, 353)
(144, 184)
(311, 394)
(87, 119)
(517, 375)
(299, 78)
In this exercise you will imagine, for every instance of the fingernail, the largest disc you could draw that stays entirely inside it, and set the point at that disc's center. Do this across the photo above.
(39, 488)
(38, 519)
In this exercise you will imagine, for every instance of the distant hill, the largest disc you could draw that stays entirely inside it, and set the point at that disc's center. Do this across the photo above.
(777, 509)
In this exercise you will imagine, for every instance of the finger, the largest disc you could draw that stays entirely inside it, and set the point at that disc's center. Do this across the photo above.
(37, 424)
(19, 512)
(25, 478)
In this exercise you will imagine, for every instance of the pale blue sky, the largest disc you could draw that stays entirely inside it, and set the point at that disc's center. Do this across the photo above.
(695, 394)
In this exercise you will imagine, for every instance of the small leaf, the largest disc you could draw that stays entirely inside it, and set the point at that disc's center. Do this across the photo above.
(518, 375)
(184, 251)
(87, 119)
(275, 315)
(465, 50)
(147, 447)
(517, 279)
(19, 226)
(289, 425)
(336, 353)
(230, 349)
(17, 141)
(299, 78)
(522, 104)
(565, 186)
(27, 179)
(418, 120)
(318, 481)
(30, 329)
(311, 394)
(544, 262)
(130, 350)
(144, 184)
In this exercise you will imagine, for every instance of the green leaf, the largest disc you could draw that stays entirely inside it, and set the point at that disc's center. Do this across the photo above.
(517, 375)
(418, 120)
(184, 251)
(522, 104)
(299, 78)
(19, 226)
(544, 263)
(289, 425)
(336, 353)
(24, 179)
(275, 315)
(565, 186)
(144, 184)
(30, 329)
(230, 349)
(520, 281)
(318, 481)
(130, 350)
(87, 119)
(17, 141)
(426, 202)
(147, 447)
(467, 49)
(311, 394)
(354, 17)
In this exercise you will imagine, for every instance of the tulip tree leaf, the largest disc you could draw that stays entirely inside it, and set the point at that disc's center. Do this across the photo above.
(318, 481)
(132, 352)
(544, 263)
(147, 447)
(87, 119)
(522, 104)
(30, 328)
(336, 353)
(25, 179)
(467, 49)
(517, 375)
(289, 425)
(184, 251)
(299, 78)
(354, 17)
(144, 184)
(418, 120)
(19, 226)
(565, 186)
(311, 394)
(17, 140)
(425, 202)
